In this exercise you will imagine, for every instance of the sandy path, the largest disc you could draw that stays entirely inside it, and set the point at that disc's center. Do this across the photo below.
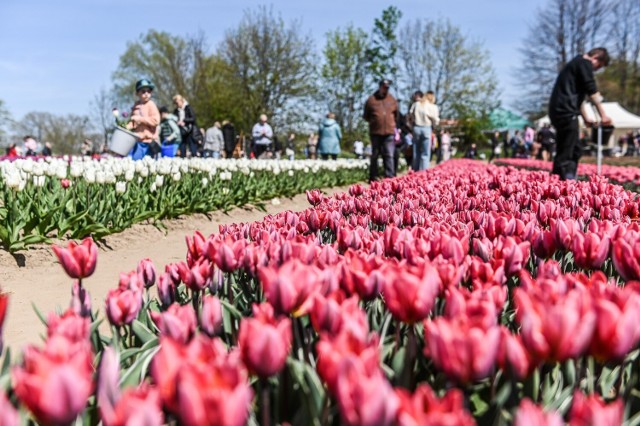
(40, 280)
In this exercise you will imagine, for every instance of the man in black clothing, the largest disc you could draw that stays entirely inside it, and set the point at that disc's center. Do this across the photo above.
(574, 83)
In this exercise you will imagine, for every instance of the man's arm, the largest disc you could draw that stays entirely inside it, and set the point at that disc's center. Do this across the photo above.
(596, 100)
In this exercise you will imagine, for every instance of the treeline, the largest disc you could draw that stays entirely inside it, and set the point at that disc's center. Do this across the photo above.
(563, 29)
(267, 65)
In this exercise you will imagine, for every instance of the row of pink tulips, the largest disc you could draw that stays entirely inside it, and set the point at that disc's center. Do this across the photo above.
(465, 294)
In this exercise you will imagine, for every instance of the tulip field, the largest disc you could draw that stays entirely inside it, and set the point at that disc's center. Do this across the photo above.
(77, 197)
(466, 294)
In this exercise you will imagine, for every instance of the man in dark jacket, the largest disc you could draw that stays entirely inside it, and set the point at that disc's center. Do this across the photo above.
(574, 83)
(381, 112)
(229, 135)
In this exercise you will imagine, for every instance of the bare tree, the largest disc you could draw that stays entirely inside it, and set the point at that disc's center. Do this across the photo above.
(435, 55)
(560, 31)
(274, 65)
(101, 115)
(65, 133)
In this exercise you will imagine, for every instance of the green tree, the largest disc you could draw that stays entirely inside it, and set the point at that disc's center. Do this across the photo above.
(344, 84)
(179, 65)
(384, 45)
(274, 65)
(435, 55)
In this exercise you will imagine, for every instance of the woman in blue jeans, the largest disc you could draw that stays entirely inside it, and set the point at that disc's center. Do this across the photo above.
(425, 115)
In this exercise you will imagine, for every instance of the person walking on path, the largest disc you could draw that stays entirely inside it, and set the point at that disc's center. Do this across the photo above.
(329, 135)
(425, 115)
(574, 83)
(381, 112)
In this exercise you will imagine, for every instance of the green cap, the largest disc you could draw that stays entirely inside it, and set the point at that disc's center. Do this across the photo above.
(144, 83)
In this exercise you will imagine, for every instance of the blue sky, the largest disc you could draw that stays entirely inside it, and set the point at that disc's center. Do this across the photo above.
(57, 55)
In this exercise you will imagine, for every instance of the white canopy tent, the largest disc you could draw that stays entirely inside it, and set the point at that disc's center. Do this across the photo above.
(622, 120)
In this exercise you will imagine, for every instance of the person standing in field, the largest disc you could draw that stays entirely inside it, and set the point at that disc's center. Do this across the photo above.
(145, 116)
(189, 130)
(575, 83)
(329, 135)
(213, 141)
(381, 112)
(425, 115)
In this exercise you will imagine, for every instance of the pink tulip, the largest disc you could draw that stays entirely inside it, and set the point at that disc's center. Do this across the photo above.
(290, 288)
(123, 306)
(514, 254)
(513, 356)
(196, 247)
(199, 276)
(425, 408)
(147, 272)
(592, 410)
(166, 289)
(265, 341)
(70, 325)
(55, 382)
(555, 327)
(626, 257)
(315, 197)
(589, 250)
(463, 351)
(178, 322)
(530, 414)
(616, 332)
(201, 383)
(4, 303)
(80, 300)
(78, 260)
(211, 315)
(364, 396)
(8, 414)
(410, 293)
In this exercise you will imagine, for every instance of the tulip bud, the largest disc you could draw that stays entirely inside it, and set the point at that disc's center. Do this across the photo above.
(211, 315)
(166, 289)
(147, 272)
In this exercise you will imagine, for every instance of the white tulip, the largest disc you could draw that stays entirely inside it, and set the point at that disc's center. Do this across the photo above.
(121, 187)
(159, 180)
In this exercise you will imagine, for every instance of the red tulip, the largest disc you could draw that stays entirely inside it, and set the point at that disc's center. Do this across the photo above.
(138, 406)
(364, 396)
(211, 315)
(70, 325)
(592, 410)
(425, 408)
(8, 414)
(78, 260)
(265, 341)
(147, 272)
(543, 244)
(514, 254)
(123, 306)
(410, 293)
(589, 250)
(178, 322)
(530, 414)
(55, 382)
(199, 276)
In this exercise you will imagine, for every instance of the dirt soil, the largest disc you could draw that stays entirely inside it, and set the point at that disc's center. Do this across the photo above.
(35, 278)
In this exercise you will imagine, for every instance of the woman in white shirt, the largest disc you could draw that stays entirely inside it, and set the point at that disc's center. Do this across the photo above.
(425, 115)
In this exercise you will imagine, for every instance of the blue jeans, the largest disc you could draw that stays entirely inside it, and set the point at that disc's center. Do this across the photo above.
(421, 147)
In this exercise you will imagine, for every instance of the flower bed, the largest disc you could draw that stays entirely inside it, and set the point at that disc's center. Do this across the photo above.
(628, 176)
(466, 294)
(57, 198)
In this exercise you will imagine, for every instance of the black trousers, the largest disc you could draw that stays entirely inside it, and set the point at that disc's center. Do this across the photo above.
(568, 150)
(385, 146)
